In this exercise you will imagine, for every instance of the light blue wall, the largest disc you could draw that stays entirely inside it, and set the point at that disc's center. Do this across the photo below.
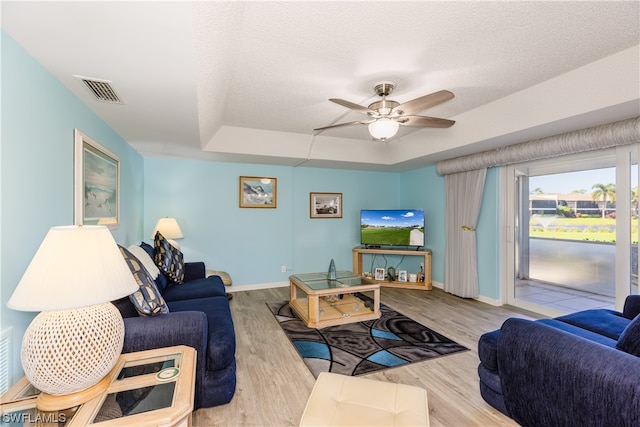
(252, 244)
(317, 241)
(38, 119)
(424, 189)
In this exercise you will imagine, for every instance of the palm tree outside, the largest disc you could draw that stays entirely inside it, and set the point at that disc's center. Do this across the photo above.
(537, 190)
(604, 193)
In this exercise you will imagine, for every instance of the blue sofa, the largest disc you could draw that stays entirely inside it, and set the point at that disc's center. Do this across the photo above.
(199, 316)
(582, 369)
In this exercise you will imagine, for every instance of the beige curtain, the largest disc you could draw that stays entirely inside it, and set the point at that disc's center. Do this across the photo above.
(463, 196)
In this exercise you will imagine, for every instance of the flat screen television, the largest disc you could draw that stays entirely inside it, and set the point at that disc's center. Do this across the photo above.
(392, 227)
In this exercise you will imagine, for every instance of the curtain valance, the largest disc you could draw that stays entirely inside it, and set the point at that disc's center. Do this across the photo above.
(596, 138)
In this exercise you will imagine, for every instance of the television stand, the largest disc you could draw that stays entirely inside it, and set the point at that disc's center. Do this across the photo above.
(358, 251)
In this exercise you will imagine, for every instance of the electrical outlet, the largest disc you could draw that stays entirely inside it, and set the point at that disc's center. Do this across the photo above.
(283, 268)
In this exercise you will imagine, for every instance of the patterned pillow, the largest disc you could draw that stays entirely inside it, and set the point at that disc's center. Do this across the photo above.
(147, 300)
(169, 259)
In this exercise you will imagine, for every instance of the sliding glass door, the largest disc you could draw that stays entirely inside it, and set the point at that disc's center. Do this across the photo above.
(572, 231)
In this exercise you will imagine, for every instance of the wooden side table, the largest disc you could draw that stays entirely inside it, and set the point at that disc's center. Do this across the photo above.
(147, 388)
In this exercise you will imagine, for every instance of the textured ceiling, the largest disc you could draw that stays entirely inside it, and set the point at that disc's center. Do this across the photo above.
(195, 77)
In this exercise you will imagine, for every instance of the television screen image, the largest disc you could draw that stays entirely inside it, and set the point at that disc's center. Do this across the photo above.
(392, 227)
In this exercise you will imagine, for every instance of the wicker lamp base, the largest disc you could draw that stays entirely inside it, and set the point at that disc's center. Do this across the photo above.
(50, 403)
(68, 351)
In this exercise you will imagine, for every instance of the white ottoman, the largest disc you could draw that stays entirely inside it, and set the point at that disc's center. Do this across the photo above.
(340, 400)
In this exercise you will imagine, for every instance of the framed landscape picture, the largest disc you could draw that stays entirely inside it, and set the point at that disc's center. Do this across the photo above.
(258, 192)
(96, 183)
(325, 205)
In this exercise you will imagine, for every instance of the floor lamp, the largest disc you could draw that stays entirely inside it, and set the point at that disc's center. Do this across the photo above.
(70, 347)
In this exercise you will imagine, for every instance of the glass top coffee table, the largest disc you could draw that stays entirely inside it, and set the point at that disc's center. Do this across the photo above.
(320, 302)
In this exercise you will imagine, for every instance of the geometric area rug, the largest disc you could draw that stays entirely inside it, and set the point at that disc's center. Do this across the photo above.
(363, 347)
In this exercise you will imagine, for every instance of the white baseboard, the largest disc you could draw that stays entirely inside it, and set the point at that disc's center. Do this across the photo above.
(490, 301)
(256, 286)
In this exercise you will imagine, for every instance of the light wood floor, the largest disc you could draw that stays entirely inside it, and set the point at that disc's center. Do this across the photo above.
(274, 383)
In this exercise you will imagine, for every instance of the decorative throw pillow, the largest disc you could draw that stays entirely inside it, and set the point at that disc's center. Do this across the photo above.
(147, 300)
(148, 249)
(161, 281)
(629, 340)
(145, 259)
(169, 259)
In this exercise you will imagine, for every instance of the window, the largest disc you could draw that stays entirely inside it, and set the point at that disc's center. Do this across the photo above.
(575, 235)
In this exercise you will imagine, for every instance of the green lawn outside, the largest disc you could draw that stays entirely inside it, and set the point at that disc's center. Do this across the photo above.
(591, 229)
(391, 236)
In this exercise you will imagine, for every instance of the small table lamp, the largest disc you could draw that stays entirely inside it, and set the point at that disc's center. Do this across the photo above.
(170, 229)
(70, 347)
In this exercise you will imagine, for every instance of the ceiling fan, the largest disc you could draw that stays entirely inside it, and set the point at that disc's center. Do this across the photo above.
(386, 116)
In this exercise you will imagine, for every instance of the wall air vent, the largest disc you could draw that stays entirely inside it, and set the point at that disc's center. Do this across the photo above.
(101, 89)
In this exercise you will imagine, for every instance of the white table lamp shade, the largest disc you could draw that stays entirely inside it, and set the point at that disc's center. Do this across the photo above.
(74, 342)
(75, 266)
(169, 228)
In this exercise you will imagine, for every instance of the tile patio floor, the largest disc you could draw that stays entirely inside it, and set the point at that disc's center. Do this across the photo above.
(560, 298)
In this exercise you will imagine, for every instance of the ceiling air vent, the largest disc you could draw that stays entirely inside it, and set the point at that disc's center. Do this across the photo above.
(101, 89)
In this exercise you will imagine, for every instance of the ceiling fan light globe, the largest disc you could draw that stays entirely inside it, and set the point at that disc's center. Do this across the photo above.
(383, 129)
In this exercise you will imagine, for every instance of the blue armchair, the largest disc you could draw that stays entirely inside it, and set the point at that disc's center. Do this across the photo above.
(574, 370)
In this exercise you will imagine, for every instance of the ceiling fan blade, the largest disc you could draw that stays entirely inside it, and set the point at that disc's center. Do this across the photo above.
(423, 102)
(343, 124)
(425, 122)
(353, 106)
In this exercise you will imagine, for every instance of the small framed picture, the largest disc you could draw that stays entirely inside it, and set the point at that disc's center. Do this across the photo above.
(379, 274)
(258, 192)
(402, 275)
(325, 205)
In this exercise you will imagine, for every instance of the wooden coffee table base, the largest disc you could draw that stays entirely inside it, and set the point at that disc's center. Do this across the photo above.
(318, 311)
